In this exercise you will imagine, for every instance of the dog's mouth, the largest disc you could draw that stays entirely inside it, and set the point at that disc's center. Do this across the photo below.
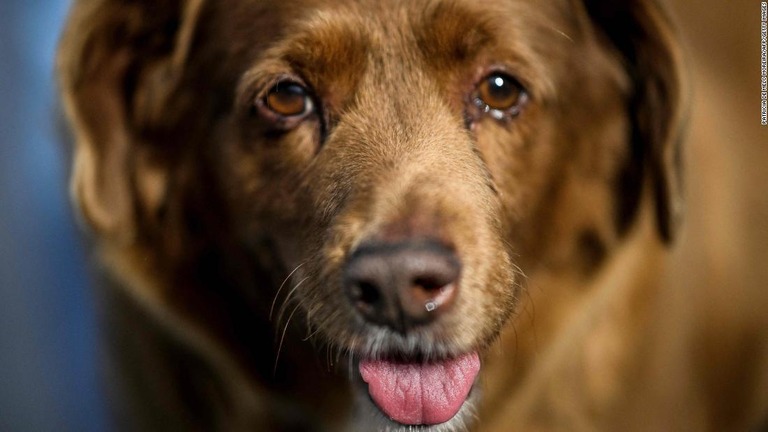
(418, 392)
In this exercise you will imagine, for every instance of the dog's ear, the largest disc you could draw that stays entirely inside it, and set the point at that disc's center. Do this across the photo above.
(645, 39)
(120, 64)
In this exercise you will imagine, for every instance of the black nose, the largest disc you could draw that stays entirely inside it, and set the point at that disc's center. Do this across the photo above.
(402, 285)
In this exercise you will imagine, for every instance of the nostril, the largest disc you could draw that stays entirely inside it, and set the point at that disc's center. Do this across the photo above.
(428, 294)
(365, 292)
(429, 284)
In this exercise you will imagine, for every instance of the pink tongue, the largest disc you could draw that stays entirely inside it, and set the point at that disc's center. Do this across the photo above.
(414, 394)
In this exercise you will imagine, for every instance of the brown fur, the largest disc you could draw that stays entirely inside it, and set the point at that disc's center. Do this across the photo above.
(225, 239)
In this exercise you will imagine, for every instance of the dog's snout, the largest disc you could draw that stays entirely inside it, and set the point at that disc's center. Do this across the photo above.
(402, 285)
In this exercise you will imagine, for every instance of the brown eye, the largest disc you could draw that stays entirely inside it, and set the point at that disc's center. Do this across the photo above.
(288, 99)
(501, 93)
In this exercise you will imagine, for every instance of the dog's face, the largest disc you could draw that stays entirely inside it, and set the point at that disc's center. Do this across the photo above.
(406, 161)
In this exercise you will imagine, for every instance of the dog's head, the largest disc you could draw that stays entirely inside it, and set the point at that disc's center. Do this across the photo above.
(403, 160)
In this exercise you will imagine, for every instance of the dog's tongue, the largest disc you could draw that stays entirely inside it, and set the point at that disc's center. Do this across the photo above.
(416, 393)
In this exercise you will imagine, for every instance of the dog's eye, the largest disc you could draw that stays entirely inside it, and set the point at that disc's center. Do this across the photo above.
(500, 94)
(288, 99)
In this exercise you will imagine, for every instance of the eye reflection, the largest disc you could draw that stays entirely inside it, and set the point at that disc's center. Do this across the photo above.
(500, 92)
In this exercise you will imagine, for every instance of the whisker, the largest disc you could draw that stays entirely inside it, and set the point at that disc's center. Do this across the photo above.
(311, 335)
(285, 329)
(287, 300)
(562, 33)
(328, 356)
(277, 294)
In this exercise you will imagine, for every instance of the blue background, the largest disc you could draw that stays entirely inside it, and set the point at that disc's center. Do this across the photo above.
(48, 351)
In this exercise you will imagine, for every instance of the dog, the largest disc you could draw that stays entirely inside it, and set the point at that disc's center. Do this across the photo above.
(435, 215)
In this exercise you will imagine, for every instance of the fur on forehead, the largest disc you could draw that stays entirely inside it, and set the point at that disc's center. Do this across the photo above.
(338, 41)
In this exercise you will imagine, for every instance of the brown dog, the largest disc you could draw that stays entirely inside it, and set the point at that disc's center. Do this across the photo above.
(367, 215)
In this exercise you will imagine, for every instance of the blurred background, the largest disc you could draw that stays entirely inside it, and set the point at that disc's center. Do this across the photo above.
(48, 351)
(49, 379)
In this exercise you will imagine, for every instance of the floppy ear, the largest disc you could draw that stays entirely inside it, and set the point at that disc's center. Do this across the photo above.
(120, 64)
(644, 37)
